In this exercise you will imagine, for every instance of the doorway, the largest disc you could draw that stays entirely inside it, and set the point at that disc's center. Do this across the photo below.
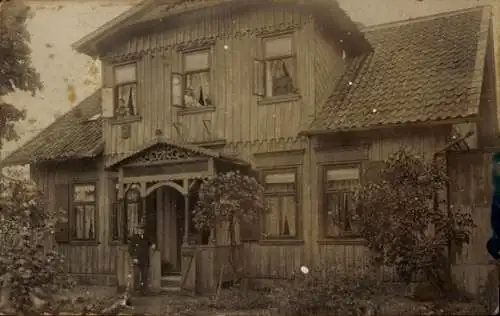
(165, 225)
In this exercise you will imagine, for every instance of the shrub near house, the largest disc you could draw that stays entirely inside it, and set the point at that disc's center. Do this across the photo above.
(397, 217)
(30, 271)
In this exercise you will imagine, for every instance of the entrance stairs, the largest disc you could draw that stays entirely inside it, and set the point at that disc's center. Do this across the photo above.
(171, 282)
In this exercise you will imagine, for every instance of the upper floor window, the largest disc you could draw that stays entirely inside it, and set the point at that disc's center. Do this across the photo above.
(125, 90)
(193, 88)
(276, 73)
(340, 184)
(281, 195)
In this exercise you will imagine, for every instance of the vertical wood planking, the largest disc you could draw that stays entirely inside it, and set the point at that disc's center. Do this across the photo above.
(94, 259)
(238, 117)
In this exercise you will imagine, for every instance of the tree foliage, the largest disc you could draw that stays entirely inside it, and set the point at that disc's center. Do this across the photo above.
(402, 223)
(231, 197)
(16, 70)
(30, 271)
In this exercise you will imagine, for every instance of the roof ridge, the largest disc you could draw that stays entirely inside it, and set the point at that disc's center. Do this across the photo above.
(422, 18)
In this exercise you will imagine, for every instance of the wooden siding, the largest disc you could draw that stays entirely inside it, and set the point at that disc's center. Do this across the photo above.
(238, 117)
(487, 124)
(470, 188)
(280, 259)
(92, 258)
(496, 51)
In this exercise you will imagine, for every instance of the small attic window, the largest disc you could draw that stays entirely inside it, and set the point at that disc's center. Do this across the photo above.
(94, 117)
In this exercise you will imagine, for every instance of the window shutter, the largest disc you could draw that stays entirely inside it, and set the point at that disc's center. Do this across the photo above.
(177, 89)
(62, 199)
(107, 102)
(258, 77)
(371, 171)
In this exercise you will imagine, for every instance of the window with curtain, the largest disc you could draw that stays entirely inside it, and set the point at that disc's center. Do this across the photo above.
(340, 184)
(192, 88)
(281, 195)
(84, 208)
(279, 66)
(125, 214)
(125, 77)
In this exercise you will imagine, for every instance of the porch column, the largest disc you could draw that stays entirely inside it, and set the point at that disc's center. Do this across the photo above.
(186, 219)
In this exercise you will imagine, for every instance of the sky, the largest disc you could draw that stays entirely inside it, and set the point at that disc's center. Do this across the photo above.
(57, 24)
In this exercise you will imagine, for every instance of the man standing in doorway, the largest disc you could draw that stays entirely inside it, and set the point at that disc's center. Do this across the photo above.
(139, 245)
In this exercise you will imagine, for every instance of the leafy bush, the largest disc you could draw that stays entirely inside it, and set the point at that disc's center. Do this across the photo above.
(30, 272)
(325, 292)
(400, 220)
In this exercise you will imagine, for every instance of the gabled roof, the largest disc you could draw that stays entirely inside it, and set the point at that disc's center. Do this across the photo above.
(156, 12)
(75, 135)
(428, 69)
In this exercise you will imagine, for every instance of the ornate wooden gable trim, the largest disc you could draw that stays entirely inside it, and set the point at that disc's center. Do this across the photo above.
(162, 150)
(163, 153)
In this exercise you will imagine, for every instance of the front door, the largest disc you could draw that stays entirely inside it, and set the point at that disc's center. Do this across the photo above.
(151, 218)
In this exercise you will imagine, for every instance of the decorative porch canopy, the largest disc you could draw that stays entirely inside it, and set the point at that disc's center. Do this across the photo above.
(164, 162)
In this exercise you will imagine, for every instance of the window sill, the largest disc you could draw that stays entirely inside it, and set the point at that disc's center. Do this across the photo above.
(188, 111)
(125, 120)
(279, 99)
(281, 242)
(343, 241)
(83, 243)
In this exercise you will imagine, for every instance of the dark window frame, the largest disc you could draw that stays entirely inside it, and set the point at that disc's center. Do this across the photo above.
(119, 221)
(266, 60)
(74, 204)
(326, 192)
(184, 74)
(117, 86)
(295, 194)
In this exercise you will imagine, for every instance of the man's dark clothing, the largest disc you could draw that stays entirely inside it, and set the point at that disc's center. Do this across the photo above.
(139, 249)
(141, 278)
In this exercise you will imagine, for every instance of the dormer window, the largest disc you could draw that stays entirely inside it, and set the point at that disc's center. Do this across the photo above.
(275, 74)
(125, 90)
(192, 87)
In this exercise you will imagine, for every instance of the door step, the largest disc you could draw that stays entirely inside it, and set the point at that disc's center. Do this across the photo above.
(171, 281)
(171, 289)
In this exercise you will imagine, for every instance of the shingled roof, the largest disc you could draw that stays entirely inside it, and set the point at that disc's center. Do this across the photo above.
(427, 69)
(75, 135)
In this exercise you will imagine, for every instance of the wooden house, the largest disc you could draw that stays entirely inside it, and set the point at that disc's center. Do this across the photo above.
(291, 88)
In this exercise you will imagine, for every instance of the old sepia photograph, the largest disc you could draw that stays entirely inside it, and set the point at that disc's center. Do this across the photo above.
(250, 157)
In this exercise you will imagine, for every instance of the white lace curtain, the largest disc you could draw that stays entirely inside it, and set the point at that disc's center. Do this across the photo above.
(280, 76)
(197, 89)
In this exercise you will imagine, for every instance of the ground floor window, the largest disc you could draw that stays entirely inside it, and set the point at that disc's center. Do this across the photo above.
(339, 186)
(84, 207)
(281, 195)
(125, 214)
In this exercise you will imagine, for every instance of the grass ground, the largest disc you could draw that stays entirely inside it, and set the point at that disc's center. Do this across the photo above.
(230, 303)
